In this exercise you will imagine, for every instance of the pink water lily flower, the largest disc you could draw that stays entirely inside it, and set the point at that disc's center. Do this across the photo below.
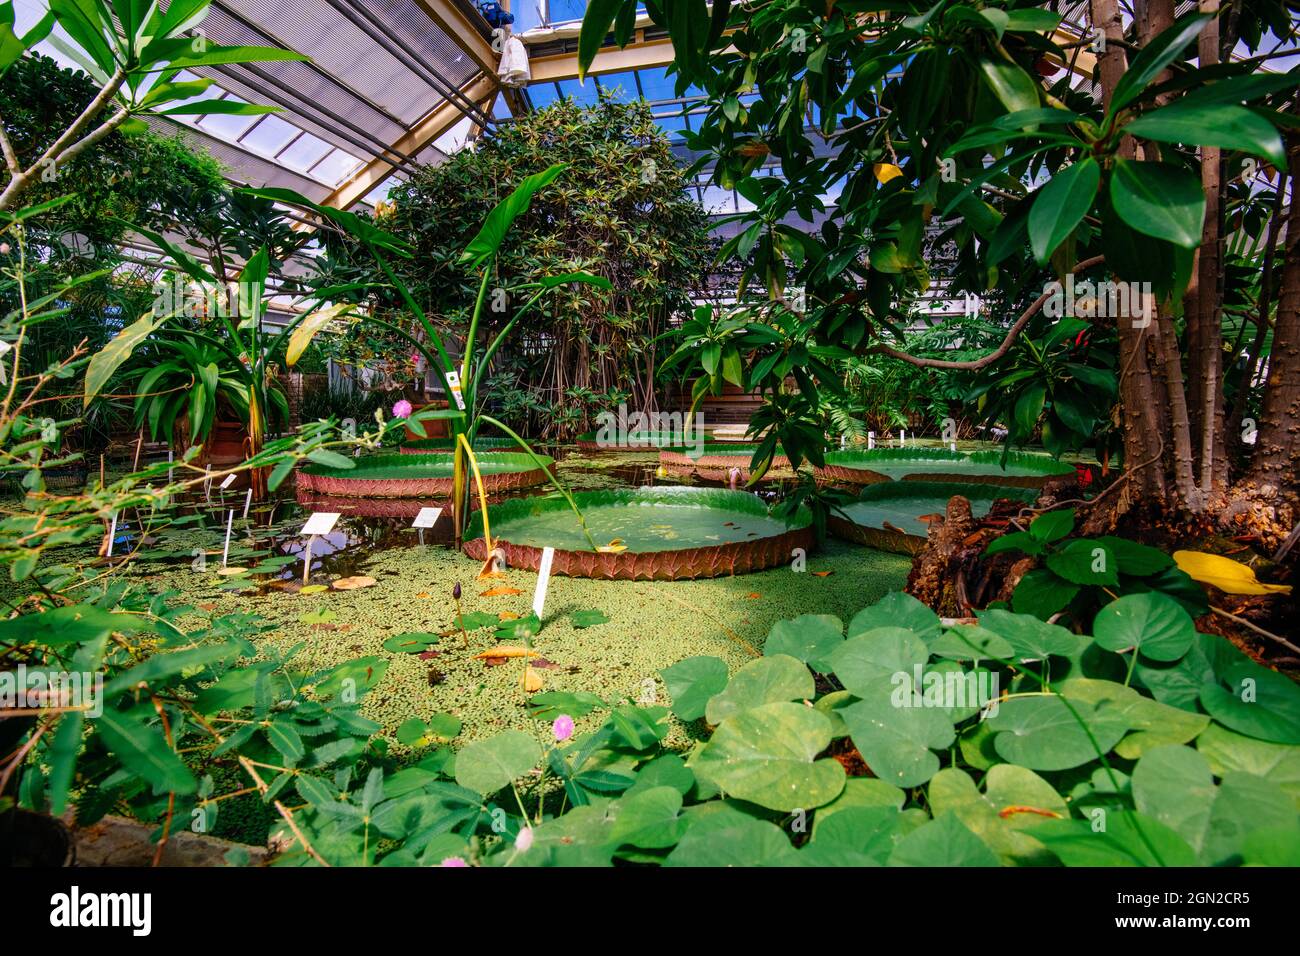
(453, 861)
(562, 727)
(524, 839)
(402, 409)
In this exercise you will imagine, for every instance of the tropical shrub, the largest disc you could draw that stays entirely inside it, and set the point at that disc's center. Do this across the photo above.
(620, 212)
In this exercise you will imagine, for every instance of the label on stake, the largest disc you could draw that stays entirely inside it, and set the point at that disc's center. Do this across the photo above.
(543, 579)
(426, 518)
(227, 481)
(321, 522)
(453, 383)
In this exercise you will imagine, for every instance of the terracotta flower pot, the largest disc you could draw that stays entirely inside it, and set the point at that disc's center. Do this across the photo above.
(434, 428)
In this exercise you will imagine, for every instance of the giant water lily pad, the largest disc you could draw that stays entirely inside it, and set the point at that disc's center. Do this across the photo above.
(767, 755)
(764, 681)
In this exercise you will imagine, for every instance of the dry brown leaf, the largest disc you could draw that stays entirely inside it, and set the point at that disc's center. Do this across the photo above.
(753, 595)
(823, 574)
(353, 583)
(506, 650)
(422, 594)
(500, 592)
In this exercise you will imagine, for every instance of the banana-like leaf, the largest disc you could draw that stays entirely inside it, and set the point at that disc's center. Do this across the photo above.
(107, 361)
(493, 232)
(301, 336)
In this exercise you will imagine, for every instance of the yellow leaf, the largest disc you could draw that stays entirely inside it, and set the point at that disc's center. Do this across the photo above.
(531, 681)
(886, 171)
(353, 583)
(306, 330)
(506, 650)
(313, 589)
(1227, 575)
(507, 616)
(498, 592)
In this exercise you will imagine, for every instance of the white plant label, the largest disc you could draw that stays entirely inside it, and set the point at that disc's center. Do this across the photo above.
(426, 518)
(453, 383)
(227, 481)
(225, 550)
(321, 522)
(543, 579)
(112, 534)
(871, 440)
(248, 500)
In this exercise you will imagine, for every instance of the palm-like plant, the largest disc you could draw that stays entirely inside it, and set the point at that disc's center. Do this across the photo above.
(178, 397)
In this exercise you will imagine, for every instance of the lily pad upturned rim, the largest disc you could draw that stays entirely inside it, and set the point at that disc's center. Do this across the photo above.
(426, 446)
(698, 561)
(906, 542)
(853, 466)
(410, 476)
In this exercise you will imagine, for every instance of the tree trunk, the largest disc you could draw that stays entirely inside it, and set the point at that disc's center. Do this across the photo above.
(1277, 449)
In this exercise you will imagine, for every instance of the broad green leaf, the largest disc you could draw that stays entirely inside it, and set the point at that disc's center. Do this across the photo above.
(764, 681)
(1030, 638)
(1015, 800)
(649, 819)
(1255, 701)
(487, 766)
(1115, 838)
(1044, 733)
(1228, 752)
(1159, 199)
(1154, 624)
(691, 682)
(1042, 593)
(588, 618)
(1154, 57)
(1087, 562)
(1225, 125)
(745, 842)
(863, 661)
(895, 738)
(120, 348)
(768, 755)
(1052, 525)
(144, 751)
(1061, 205)
(1015, 89)
(944, 841)
(487, 242)
(809, 638)
(74, 624)
(1175, 786)
(897, 609)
